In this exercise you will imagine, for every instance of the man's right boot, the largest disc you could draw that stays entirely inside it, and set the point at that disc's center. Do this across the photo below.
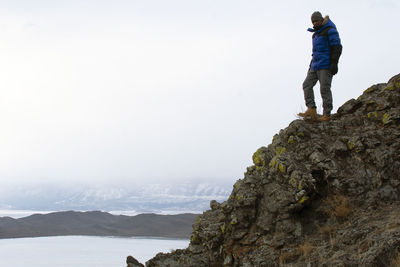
(311, 113)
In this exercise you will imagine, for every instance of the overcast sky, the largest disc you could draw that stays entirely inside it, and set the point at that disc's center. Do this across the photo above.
(159, 90)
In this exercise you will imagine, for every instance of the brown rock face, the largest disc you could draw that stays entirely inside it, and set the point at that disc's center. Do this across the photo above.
(132, 262)
(321, 194)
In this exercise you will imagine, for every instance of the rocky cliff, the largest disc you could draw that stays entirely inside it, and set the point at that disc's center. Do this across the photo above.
(321, 194)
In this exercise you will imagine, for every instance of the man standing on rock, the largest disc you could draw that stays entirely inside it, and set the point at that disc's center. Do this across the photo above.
(327, 49)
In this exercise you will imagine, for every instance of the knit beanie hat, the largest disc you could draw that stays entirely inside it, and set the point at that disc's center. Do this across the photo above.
(316, 16)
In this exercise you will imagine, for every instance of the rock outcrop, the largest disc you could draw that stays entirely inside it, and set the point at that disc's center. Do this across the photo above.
(132, 262)
(321, 194)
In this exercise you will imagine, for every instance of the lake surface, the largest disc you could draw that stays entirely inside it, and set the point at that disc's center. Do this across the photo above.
(81, 251)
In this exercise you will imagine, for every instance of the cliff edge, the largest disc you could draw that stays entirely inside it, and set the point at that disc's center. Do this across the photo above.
(321, 194)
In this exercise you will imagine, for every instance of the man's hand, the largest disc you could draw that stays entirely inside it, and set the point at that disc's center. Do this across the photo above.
(334, 68)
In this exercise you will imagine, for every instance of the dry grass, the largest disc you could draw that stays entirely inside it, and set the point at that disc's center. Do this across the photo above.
(327, 230)
(305, 249)
(241, 250)
(337, 206)
(294, 254)
(334, 241)
(396, 260)
(330, 231)
(363, 247)
(286, 257)
(343, 208)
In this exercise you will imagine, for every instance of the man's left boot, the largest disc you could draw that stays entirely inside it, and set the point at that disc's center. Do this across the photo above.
(311, 113)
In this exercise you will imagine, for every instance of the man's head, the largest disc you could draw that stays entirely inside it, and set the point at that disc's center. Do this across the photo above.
(317, 19)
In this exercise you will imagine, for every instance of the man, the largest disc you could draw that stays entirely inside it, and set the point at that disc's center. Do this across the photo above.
(327, 49)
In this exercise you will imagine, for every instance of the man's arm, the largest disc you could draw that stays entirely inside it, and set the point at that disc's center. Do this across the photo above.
(335, 49)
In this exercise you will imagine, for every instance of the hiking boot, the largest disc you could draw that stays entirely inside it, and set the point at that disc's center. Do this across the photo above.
(324, 118)
(310, 113)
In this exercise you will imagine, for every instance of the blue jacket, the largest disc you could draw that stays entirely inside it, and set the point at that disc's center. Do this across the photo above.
(323, 40)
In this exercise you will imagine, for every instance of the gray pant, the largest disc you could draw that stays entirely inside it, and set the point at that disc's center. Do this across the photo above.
(325, 79)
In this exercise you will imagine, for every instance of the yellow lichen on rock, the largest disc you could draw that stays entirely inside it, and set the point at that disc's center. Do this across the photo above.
(385, 118)
(372, 115)
(389, 87)
(278, 166)
(279, 150)
(282, 168)
(259, 168)
(300, 187)
(369, 90)
(293, 182)
(257, 159)
(273, 162)
(351, 145)
(303, 199)
(236, 185)
(194, 239)
(223, 228)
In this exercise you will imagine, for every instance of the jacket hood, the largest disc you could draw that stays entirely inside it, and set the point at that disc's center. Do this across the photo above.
(325, 24)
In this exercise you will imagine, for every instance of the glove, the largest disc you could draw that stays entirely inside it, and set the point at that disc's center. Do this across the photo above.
(334, 68)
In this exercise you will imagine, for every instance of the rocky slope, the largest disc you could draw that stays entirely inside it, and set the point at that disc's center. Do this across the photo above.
(321, 194)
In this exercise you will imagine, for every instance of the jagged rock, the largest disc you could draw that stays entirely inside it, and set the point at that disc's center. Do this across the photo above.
(321, 194)
(132, 262)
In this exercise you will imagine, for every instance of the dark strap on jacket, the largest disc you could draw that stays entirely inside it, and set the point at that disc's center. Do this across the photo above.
(323, 33)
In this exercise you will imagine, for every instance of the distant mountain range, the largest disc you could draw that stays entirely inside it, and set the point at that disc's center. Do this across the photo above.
(150, 198)
(97, 223)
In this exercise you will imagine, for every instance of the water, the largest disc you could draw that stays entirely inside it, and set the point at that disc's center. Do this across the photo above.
(81, 251)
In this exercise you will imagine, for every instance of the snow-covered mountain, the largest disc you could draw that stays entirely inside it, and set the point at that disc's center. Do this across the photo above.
(158, 198)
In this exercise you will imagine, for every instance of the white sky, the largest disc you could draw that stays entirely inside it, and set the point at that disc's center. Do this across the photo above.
(162, 90)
